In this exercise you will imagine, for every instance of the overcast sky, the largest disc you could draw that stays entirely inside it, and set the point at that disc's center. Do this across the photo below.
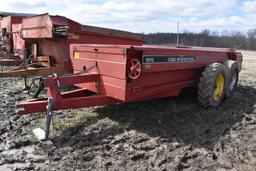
(147, 15)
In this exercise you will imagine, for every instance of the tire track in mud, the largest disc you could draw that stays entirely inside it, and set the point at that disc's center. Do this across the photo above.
(17, 146)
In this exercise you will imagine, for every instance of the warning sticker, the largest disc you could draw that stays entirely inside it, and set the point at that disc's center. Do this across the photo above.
(77, 55)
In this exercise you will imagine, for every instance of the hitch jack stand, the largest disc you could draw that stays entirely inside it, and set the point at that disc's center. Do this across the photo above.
(48, 117)
(43, 135)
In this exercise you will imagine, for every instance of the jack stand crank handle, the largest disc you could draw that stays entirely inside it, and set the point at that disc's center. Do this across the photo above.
(48, 117)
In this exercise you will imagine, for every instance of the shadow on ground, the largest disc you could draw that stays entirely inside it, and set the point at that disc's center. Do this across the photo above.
(180, 119)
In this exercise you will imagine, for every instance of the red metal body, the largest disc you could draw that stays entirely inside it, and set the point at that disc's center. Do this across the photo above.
(53, 35)
(113, 76)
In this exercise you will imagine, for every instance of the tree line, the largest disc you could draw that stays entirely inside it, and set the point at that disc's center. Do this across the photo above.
(206, 38)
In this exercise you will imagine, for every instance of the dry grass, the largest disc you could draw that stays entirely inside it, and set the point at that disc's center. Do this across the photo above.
(249, 67)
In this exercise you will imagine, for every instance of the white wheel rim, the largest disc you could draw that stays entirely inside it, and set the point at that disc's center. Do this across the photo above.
(233, 80)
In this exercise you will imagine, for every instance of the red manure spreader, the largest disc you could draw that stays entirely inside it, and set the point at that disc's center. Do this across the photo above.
(43, 42)
(108, 74)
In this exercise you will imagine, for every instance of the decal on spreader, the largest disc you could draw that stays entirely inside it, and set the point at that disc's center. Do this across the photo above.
(166, 59)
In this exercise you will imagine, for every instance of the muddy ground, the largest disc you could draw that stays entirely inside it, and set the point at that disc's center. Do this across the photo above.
(166, 134)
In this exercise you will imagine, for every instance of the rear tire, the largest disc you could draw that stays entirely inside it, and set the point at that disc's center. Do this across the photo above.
(211, 88)
(232, 76)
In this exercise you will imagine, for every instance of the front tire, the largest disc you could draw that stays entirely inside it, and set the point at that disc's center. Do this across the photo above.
(211, 88)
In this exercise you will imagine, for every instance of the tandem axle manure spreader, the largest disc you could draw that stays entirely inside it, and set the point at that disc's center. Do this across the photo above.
(109, 74)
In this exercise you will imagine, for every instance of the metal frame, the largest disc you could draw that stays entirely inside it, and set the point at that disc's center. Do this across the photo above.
(72, 99)
(31, 70)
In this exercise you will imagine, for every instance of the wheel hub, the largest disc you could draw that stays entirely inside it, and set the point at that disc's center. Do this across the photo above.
(133, 68)
(218, 87)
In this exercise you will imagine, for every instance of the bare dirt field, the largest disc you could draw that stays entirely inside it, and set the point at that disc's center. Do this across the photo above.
(166, 134)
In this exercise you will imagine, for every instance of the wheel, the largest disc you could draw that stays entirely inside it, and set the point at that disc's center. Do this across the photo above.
(232, 76)
(211, 88)
(133, 68)
(35, 87)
